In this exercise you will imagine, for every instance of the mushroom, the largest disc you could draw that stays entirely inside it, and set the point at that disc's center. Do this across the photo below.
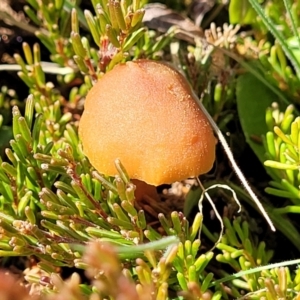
(144, 113)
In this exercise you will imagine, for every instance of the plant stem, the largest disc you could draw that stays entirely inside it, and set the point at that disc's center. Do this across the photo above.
(234, 165)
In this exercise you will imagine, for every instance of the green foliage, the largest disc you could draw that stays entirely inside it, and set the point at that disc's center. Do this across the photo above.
(6, 96)
(281, 144)
(273, 70)
(56, 207)
(115, 29)
(249, 89)
(283, 151)
(241, 12)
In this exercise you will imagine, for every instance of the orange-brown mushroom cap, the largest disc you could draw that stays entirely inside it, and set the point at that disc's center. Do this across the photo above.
(143, 113)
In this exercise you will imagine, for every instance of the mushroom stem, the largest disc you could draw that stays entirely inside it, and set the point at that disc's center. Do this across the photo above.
(143, 188)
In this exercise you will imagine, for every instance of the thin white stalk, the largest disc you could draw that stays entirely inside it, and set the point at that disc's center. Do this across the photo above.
(205, 193)
(48, 67)
(234, 165)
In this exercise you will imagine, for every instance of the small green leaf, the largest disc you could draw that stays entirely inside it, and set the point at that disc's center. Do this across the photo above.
(253, 99)
(241, 12)
(293, 44)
